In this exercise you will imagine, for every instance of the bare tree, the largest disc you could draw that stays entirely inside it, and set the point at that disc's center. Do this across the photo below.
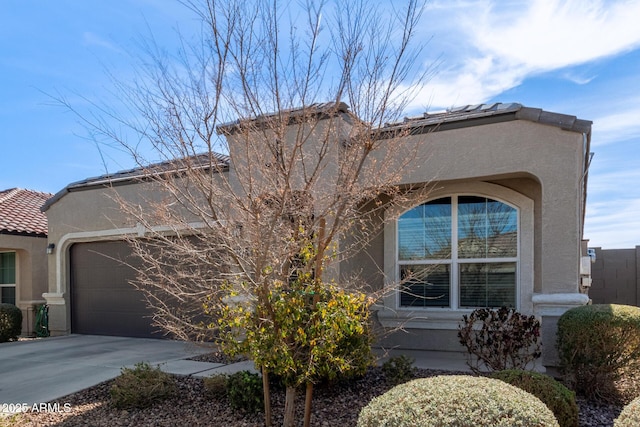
(271, 162)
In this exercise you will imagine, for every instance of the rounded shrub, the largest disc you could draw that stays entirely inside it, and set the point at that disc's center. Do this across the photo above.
(456, 400)
(630, 415)
(10, 322)
(556, 396)
(244, 390)
(599, 346)
(141, 386)
(399, 369)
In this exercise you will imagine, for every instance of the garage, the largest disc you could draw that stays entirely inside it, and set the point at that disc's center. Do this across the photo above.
(103, 302)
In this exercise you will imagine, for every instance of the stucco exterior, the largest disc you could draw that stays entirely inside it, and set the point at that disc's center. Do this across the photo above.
(89, 213)
(31, 274)
(535, 161)
(540, 169)
(23, 257)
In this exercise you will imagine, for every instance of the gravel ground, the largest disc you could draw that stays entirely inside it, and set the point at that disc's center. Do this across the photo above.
(335, 405)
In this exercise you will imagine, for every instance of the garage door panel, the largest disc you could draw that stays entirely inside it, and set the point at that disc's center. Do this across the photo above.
(103, 302)
(115, 301)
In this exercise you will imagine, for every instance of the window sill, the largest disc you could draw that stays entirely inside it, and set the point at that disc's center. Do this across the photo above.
(421, 319)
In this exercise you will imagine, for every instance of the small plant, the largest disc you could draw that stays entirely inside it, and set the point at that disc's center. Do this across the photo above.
(500, 339)
(41, 328)
(599, 347)
(556, 396)
(399, 369)
(216, 385)
(630, 415)
(13, 420)
(10, 322)
(244, 390)
(456, 400)
(141, 386)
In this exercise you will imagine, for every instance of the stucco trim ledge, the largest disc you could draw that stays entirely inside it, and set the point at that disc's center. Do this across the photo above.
(557, 304)
(54, 298)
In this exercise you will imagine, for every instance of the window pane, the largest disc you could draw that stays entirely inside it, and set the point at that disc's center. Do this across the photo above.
(486, 228)
(7, 268)
(488, 284)
(8, 295)
(425, 285)
(424, 232)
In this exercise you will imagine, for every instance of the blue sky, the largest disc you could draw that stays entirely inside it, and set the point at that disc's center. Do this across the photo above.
(578, 57)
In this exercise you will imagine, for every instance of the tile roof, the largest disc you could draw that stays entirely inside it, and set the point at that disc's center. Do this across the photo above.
(464, 116)
(20, 212)
(172, 166)
(141, 173)
(322, 110)
(473, 115)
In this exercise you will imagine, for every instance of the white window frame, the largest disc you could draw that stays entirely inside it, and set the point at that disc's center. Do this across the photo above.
(391, 314)
(454, 261)
(12, 285)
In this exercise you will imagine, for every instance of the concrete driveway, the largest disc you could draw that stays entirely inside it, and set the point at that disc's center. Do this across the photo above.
(42, 370)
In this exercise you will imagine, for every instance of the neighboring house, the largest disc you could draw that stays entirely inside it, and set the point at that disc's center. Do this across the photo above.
(501, 224)
(23, 251)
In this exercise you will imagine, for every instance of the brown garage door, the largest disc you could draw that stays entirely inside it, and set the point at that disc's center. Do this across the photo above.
(102, 300)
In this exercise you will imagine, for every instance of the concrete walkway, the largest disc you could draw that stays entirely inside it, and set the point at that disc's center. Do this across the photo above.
(42, 370)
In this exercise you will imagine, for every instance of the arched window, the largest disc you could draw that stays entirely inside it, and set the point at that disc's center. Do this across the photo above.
(459, 251)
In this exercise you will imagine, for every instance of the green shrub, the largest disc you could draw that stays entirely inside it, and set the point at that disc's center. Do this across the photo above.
(399, 369)
(456, 400)
(318, 332)
(500, 339)
(141, 386)
(556, 396)
(630, 415)
(216, 385)
(10, 322)
(599, 347)
(244, 390)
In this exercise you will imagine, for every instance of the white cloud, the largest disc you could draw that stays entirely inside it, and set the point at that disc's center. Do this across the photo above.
(619, 126)
(603, 224)
(624, 182)
(502, 45)
(93, 39)
(578, 78)
(613, 213)
(551, 34)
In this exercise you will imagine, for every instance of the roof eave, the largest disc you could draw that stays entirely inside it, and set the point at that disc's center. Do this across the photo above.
(108, 182)
(444, 122)
(25, 233)
(264, 121)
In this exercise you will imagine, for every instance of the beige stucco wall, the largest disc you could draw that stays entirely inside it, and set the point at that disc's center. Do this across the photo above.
(31, 274)
(541, 165)
(546, 154)
(313, 148)
(89, 215)
(537, 165)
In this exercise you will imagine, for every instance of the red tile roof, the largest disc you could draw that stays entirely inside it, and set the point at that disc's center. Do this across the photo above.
(20, 212)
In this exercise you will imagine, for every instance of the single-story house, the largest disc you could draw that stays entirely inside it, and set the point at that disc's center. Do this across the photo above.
(520, 172)
(23, 252)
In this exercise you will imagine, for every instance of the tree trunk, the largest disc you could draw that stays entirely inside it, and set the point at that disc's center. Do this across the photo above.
(289, 407)
(267, 397)
(307, 405)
